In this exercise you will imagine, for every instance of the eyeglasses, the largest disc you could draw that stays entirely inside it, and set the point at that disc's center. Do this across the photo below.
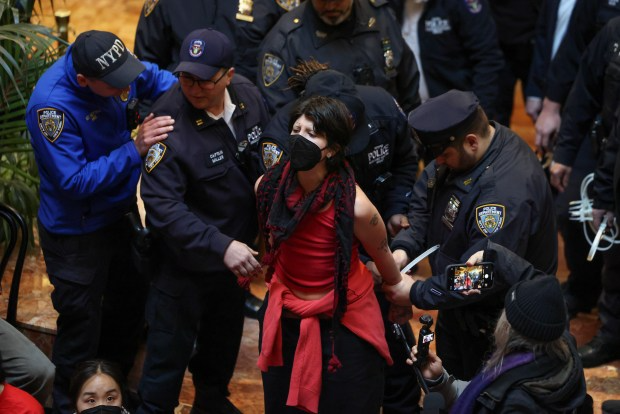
(189, 81)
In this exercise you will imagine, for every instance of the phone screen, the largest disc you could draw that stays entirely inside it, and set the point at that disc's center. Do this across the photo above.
(461, 277)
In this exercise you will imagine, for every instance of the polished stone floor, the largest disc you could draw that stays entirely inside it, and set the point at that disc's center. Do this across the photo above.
(35, 309)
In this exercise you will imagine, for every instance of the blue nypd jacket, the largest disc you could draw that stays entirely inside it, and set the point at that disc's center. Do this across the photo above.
(88, 164)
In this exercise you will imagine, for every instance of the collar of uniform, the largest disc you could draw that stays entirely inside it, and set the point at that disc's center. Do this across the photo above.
(465, 181)
(365, 20)
(229, 109)
(200, 118)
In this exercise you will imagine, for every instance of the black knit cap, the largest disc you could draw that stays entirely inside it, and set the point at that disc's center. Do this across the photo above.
(536, 308)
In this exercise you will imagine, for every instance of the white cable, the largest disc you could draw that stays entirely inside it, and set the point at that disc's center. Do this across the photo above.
(581, 210)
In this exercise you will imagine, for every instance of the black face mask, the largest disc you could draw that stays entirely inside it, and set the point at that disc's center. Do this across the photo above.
(304, 154)
(103, 409)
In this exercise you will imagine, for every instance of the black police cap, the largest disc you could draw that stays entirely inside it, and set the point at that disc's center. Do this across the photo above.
(441, 119)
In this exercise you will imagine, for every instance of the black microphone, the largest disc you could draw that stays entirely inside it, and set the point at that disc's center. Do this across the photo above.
(434, 404)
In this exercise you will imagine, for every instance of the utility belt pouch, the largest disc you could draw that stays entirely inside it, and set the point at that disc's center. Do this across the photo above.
(141, 244)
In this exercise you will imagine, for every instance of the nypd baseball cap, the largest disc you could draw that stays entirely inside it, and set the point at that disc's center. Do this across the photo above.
(204, 52)
(440, 120)
(103, 56)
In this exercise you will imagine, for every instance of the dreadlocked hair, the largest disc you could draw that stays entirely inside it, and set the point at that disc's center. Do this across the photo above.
(304, 70)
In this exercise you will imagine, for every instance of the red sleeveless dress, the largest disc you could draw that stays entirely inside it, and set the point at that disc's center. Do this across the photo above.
(306, 262)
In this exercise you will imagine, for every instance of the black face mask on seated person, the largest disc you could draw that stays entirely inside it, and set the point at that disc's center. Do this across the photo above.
(105, 409)
(304, 154)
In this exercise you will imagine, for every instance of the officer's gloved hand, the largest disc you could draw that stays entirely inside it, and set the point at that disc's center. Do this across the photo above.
(601, 215)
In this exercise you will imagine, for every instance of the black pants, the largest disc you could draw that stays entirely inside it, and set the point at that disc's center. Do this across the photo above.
(196, 321)
(99, 297)
(584, 277)
(518, 59)
(609, 302)
(356, 388)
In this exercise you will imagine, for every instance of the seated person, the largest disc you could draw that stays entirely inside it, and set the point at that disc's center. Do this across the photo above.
(97, 386)
(534, 366)
(15, 401)
(24, 365)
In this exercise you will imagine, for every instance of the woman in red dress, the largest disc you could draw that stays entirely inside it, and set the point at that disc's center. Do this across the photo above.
(322, 343)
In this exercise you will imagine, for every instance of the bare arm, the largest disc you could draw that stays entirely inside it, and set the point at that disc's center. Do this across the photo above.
(370, 231)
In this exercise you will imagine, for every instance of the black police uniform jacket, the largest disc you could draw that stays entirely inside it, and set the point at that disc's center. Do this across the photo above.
(588, 17)
(459, 49)
(197, 190)
(505, 198)
(385, 163)
(596, 90)
(164, 24)
(368, 47)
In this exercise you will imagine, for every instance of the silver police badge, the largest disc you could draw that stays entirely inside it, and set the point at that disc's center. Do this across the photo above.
(273, 67)
(288, 5)
(490, 218)
(51, 123)
(154, 156)
(196, 48)
(473, 6)
(149, 5)
(271, 154)
(451, 211)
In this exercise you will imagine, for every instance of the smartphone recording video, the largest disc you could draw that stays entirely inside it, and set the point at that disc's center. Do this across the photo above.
(463, 277)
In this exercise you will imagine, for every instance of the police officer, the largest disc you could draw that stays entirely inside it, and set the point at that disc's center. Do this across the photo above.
(359, 38)
(384, 160)
(596, 90)
(254, 20)
(198, 193)
(455, 43)
(161, 29)
(164, 24)
(485, 183)
(588, 17)
(89, 168)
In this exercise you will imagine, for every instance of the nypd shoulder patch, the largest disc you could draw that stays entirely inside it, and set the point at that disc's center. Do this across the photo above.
(149, 6)
(51, 123)
(490, 218)
(474, 6)
(271, 153)
(288, 5)
(273, 67)
(154, 156)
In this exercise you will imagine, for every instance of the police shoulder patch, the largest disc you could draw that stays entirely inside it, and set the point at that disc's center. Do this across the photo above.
(154, 156)
(474, 6)
(271, 153)
(149, 6)
(288, 5)
(273, 67)
(490, 218)
(51, 122)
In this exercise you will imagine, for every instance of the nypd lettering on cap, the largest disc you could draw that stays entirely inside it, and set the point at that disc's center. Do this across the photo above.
(51, 123)
(196, 48)
(273, 67)
(271, 154)
(112, 55)
(474, 6)
(490, 218)
(149, 5)
(154, 156)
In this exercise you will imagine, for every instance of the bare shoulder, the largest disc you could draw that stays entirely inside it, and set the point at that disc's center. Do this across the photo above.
(363, 207)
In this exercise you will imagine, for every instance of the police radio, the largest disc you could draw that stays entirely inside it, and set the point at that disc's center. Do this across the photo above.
(425, 337)
(133, 114)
